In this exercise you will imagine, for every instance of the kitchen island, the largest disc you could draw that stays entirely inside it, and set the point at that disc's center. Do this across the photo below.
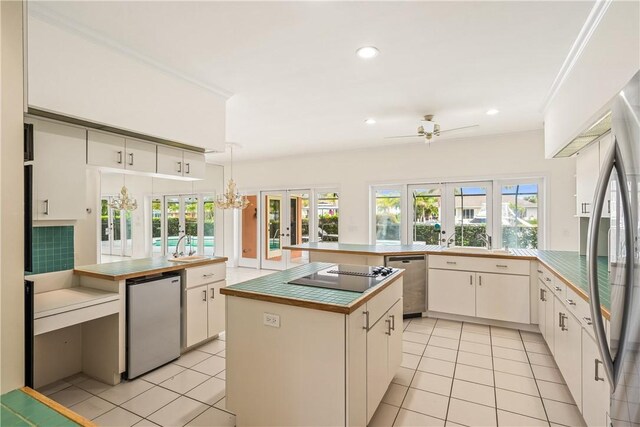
(305, 355)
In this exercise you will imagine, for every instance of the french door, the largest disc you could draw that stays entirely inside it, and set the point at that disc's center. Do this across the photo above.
(285, 220)
(115, 231)
(456, 213)
(193, 215)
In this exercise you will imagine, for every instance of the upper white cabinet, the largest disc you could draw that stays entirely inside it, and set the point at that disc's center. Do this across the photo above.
(117, 152)
(59, 171)
(176, 162)
(588, 168)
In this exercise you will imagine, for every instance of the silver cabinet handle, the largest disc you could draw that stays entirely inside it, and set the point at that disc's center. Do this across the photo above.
(502, 266)
(366, 320)
(570, 301)
(613, 159)
(207, 275)
(46, 207)
(187, 168)
(213, 293)
(562, 325)
(130, 159)
(471, 279)
(451, 262)
(596, 376)
(180, 167)
(204, 295)
(119, 161)
(393, 322)
(542, 295)
(548, 279)
(539, 271)
(587, 320)
(479, 280)
(388, 326)
(557, 288)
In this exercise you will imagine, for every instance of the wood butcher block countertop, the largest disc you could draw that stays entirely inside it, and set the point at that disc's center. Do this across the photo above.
(130, 269)
(275, 288)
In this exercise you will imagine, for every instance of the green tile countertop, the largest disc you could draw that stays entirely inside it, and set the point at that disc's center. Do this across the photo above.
(19, 409)
(275, 286)
(139, 267)
(366, 249)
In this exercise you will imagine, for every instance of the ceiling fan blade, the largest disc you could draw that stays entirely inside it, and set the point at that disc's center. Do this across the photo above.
(404, 136)
(460, 128)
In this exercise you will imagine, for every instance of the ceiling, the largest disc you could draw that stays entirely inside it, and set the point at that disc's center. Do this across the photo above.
(299, 87)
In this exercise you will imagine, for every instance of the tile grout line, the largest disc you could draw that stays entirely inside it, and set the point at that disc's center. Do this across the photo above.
(453, 375)
(493, 373)
(535, 380)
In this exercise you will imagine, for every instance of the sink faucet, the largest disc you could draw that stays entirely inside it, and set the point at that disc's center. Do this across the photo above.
(487, 240)
(176, 253)
(189, 241)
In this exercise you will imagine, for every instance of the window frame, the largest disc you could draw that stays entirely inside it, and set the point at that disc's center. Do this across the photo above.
(404, 211)
(497, 220)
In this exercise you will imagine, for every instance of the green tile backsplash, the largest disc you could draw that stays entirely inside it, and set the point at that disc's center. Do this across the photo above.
(52, 249)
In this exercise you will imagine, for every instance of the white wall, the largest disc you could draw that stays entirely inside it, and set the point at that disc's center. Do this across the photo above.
(71, 74)
(11, 199)
(353, 172)
(608, 62)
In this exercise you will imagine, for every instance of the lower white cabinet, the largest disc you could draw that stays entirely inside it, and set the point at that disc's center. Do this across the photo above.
(452, 292)
(568, 349)
(204, 312)
(543, 298)
(503, 297)
(595, 387)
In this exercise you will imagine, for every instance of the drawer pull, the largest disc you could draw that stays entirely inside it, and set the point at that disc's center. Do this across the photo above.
(204, 295)
(502, 266)
(562, 318)
(393, 322)
(548, 279)
(388, 326)
(366, 320)
(471, 279)
(207, 275)
(596, 376)
(542, 295)
(451, 262)
(213, 293)
(570, 302)
(557, 288)
(587, 320)
(539, 271)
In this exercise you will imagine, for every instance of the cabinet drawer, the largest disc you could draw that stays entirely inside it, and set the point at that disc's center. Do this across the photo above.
(196, 276)
(381, 303)
(559, 289)
(488, 265)
(545, 276)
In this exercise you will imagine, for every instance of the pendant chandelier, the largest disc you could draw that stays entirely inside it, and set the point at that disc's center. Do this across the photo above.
(231, 198)
(123, 202)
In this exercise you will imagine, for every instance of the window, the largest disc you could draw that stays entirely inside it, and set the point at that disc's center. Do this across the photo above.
(156, 226)
(327, 208)
(519, 215)
(470, 204)
(427, 215)
(468, 213)
(193, 215)
(208, 231)
(388, 214)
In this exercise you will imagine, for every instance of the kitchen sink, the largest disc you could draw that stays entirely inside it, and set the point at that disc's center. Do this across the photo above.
(476, 250)
(190, 258)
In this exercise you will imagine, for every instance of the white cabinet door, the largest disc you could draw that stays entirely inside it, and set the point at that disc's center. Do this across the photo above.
(170, 161)
(587, 170)
(59, 171)
(550, 320)
(503, 297)
(377, 364)
(395, 339)
(196, 315)
(572, 370)
(105, 150)
(194, 165)
(216, 309)
(140, 156)
(595, 387)
(543, 296)
(605, 143)
(452, 292)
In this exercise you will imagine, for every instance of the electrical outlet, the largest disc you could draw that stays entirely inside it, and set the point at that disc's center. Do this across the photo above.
(271, 319)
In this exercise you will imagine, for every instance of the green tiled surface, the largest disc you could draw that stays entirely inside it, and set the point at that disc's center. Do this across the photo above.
(20, 409)
(142, 266)
(52, 249)
(276, 285)
(373, 249)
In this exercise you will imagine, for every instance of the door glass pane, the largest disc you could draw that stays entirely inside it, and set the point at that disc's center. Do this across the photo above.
(299, 225)
(191, 222)
(116, 223)
(105, 228)
(250, 229)
(273, 228)
(327, 206)
(427, 211)
(470, 215)
(156, 226)
(172, 206)
(519, 213)
(126, 235)
(387, 217)
(209, 225)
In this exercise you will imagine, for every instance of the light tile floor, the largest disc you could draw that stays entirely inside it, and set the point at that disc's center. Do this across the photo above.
(452, 374)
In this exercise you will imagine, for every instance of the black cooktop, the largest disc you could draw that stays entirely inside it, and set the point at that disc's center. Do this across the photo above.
(355, 278)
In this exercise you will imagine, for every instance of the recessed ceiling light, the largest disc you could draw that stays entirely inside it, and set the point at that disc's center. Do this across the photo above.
(370, 121)
(367, 52)
(492, 112)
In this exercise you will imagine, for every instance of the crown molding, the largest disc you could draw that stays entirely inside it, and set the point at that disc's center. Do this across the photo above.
(44, 13)
(588, 28)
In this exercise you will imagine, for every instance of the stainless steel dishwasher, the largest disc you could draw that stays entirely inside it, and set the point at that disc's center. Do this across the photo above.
(153, 322)
(414, 282)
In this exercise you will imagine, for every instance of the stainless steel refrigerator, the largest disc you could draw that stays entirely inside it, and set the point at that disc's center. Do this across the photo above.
(620, 175)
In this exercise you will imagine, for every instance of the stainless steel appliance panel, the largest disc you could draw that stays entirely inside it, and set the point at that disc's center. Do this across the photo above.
(414, 281)
(153, 323)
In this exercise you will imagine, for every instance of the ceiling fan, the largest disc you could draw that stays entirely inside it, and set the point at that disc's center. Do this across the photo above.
(428, 129)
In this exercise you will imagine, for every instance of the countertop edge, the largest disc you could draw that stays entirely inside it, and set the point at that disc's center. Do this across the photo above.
(340, 309)
(117, 277)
